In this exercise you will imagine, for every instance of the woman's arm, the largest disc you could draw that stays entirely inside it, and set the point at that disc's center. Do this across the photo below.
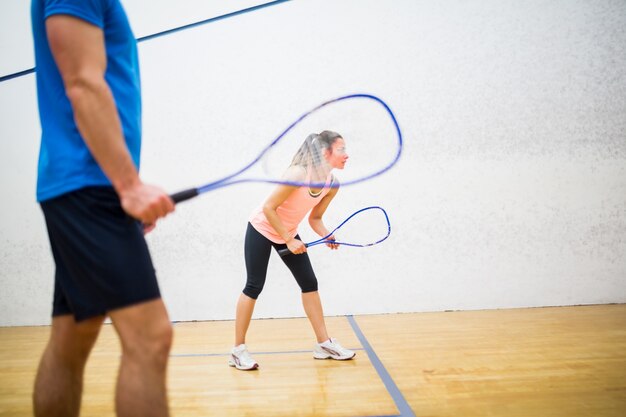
(280, 194)
(278, 197)
(315, 218)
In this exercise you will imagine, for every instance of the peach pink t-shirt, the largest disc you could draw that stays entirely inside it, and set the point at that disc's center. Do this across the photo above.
(291, 212)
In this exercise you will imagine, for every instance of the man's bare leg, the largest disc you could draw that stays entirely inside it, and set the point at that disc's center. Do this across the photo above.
(146, 335)
(59, 380)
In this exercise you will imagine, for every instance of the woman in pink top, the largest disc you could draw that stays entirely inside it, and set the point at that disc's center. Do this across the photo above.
(274, 224)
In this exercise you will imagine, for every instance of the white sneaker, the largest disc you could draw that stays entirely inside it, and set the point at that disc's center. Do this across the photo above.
(240, 358)
(331, 349)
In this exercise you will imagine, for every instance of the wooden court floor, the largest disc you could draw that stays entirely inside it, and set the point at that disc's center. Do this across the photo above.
(565, 361)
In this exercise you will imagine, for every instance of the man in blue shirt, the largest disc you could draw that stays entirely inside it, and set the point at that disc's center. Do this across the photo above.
(96, 207)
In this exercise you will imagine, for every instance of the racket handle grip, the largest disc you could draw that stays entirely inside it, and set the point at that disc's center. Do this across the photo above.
(184, 195)
(285, 251)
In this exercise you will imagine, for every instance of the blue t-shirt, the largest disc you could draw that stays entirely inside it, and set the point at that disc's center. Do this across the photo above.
(65, 163)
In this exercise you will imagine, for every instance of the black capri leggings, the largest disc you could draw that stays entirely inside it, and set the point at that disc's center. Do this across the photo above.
(257, 251)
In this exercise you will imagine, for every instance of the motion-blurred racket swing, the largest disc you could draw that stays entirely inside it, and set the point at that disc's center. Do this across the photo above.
(374, 145)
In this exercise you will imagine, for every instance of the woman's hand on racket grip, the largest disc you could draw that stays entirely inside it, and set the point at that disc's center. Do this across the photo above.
(146, 202)
(332, 245)
(296, 246)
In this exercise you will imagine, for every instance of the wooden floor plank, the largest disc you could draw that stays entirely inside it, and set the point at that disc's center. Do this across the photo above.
(567, 361)
(552, 362)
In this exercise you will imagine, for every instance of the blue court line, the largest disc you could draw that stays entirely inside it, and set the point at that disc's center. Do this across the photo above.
(16, 74)
(169, 31)
(212, 19)
(392, 388)
(398, 398)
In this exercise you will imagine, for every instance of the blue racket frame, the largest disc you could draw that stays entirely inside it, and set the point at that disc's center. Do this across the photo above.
(231, 179)
(286, 251)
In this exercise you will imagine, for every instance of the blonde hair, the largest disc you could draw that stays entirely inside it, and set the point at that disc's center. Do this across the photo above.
(311, 150)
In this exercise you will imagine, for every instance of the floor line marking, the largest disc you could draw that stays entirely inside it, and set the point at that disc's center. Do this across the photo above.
(394, 391)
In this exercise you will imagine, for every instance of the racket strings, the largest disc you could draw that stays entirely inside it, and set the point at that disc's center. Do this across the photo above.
(309, 166)
(372, 144)
(365, 122)
(366, 227)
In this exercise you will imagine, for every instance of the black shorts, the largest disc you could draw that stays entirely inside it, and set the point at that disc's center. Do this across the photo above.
(257, 252)
(102, 260)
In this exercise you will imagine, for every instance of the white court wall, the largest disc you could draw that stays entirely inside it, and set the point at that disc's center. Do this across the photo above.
(511, 191)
